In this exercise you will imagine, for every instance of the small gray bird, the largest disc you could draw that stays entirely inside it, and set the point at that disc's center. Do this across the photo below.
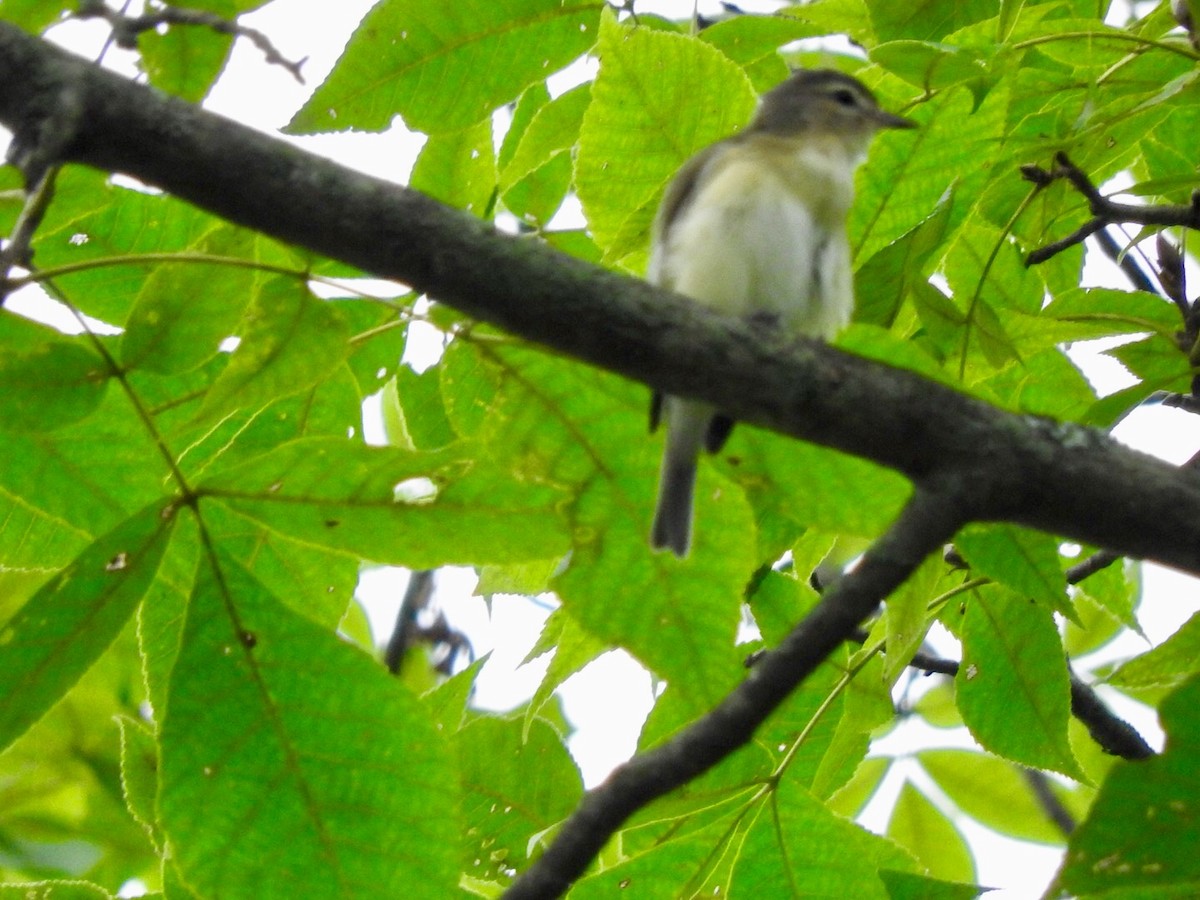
(755, 226)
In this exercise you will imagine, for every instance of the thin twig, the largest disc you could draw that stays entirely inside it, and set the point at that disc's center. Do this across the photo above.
(1101, 559)
(1104, 211)
(1126, 263)
(1187, 402)
(18, 247)
(416, 597)
(127, 28)
(1043, 790)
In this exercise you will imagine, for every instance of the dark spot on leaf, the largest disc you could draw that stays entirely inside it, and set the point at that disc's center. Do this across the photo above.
(332, 523)
(249, 639)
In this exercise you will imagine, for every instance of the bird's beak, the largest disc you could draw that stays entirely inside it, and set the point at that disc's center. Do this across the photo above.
(884, 119)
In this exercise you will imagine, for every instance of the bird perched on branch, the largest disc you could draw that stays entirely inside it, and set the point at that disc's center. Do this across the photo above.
(755, 226)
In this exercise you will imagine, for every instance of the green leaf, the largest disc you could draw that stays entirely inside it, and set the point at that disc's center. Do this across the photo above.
(34, 15)
(907, 174)
(445, 72)
(793, 485)
(1117, 589)
(448, 702)
(458, 168)
(1012, 686)
(882, 281)
(645, 120)
(1097, 629)
(536, 177)
(1141, 836)
(677, 617)
(573, 646)
(799, 848)
(1100, 312)
(393, 506)
(992, 791)
(517, 781)
(937, 707)
(290, 342)
(1019, 558)
(568, 424)
(907, 616)
(853, 796)
(659, 871)
(532, 101)
(53, 890)
(910, 886)
(139, 774)
(1157, 360)
(866, 705)
(926, 19)
(1170, 664)
(552, 131)
(414, 416)
(848, 17)
(93, 221)
(185, 60)
(334, 775)
(932, 66)
(49, 385)
(315, 581)
(184, 311)
(1046, 384)
(924, 831)
(754, 42)
(64, 627)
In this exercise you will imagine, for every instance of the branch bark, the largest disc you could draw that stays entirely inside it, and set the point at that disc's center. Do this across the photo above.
(1060, 478)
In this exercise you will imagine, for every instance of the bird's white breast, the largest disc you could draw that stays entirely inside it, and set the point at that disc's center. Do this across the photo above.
(764, 233)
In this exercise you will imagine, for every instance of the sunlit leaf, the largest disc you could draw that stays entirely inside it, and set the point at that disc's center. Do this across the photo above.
(799, 848)
(1012, 686)
(65, 626)
(392, 506)
(921, 828)
(290, 341)
(445, 72)
(346, 792)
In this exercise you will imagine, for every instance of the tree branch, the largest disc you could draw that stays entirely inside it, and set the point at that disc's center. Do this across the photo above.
(929, 520)
(1104, 211)
(1060, 478)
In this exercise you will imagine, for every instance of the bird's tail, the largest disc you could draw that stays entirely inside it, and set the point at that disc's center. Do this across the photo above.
(673, 515)
(688, 425)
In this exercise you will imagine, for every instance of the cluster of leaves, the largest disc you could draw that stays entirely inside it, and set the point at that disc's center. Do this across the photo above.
(184, 517)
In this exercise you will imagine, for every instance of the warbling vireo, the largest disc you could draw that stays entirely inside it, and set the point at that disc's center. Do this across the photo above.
(755, 226)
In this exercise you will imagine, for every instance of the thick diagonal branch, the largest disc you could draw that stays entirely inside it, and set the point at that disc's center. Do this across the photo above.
(927, 522)
(1064, 479)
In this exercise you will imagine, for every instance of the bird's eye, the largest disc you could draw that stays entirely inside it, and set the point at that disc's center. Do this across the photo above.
(845, 97)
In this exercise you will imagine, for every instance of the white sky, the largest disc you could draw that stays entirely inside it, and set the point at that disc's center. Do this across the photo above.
(608, 702)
